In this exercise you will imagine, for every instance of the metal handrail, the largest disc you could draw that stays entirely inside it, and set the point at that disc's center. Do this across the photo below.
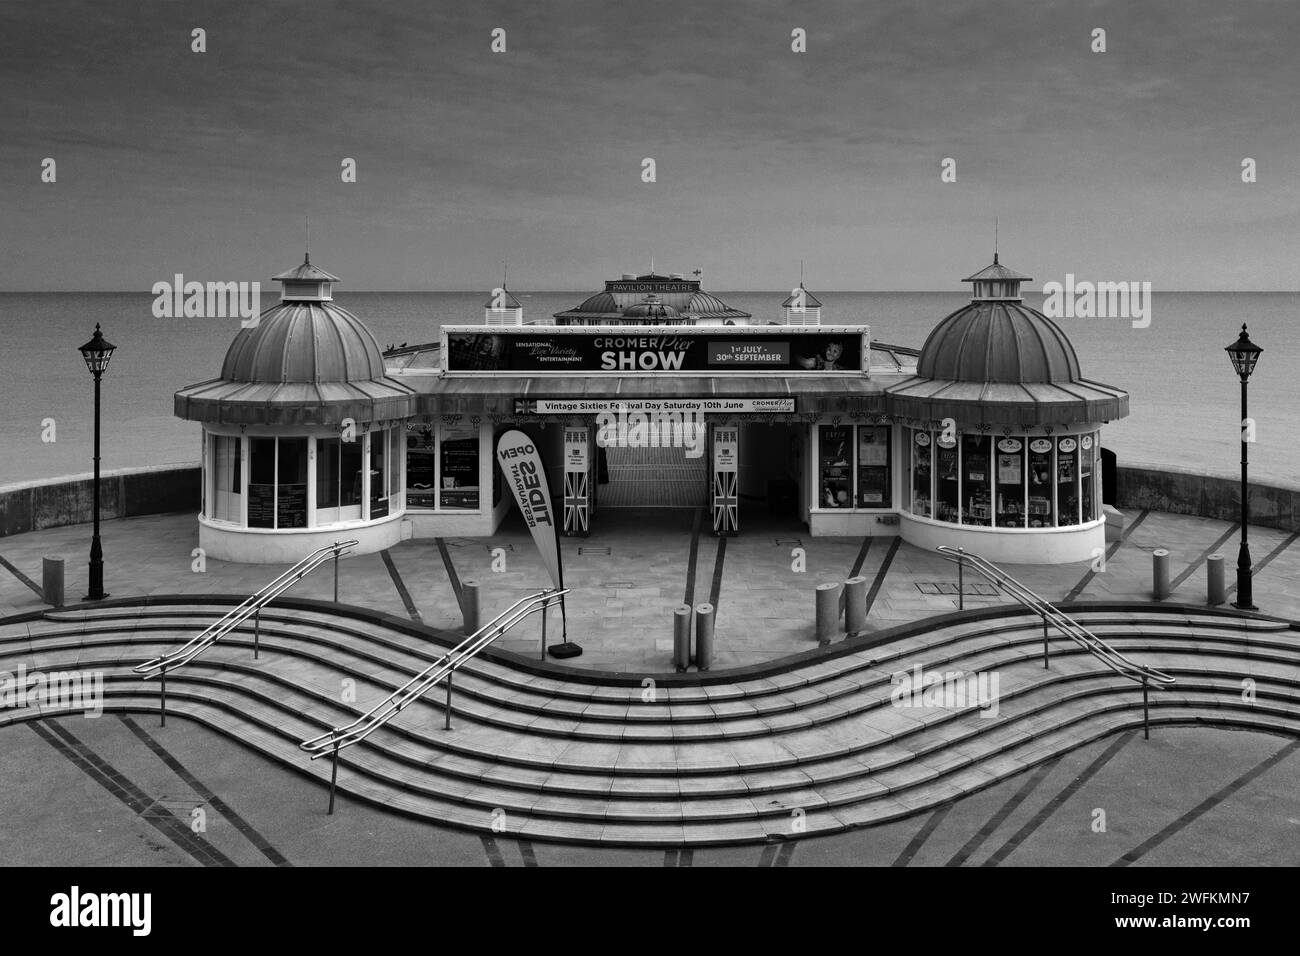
(335, 739)
(251, 605)
(1062, 621)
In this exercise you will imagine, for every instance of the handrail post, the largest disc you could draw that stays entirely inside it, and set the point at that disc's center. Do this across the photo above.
(961, 579)
(257, 632)
(447, 725)
(544, 609)
(1146, 712)
(163, 701)
(336, 572)
(1045, 640)
(334, 777)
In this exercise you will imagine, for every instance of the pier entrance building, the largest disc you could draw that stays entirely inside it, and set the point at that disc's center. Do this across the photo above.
(655, 394)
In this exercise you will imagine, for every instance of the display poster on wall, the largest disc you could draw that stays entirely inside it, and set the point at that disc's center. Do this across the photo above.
(575, 449)
(1009, 469)
(725, 444)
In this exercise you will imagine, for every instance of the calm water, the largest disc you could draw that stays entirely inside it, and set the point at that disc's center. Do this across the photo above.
(1184, 394)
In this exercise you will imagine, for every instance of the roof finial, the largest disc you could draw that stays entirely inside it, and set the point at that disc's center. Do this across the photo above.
(995, 240)
(505, 267)
(306, 230)
(801, 273)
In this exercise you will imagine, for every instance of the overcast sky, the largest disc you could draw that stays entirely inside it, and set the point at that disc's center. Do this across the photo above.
(1122, 165)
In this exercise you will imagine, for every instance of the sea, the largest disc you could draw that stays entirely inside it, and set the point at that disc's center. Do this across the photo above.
(1184, 394)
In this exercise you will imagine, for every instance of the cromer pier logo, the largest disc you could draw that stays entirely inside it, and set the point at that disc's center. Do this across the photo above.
(76, 909)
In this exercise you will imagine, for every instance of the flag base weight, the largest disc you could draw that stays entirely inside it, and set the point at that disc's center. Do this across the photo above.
(567, 649)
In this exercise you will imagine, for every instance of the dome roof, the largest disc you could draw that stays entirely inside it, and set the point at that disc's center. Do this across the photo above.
(304, 342)
(651, 308)
(600, 302)
(998, 341)
(702, 303)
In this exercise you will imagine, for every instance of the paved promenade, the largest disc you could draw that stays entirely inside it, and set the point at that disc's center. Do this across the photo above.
(637, 566)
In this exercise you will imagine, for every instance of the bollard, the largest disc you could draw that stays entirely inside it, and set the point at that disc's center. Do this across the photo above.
(703, 636)
(52, 581)
(1214, 587)
(855, 605)
(828, 611)
(682, 637)
(469, 605)
(1160, 573)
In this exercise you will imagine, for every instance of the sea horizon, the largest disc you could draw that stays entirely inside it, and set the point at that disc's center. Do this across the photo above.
(1188, 421)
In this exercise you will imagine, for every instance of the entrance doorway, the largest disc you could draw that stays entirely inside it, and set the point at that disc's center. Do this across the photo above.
(651, 478)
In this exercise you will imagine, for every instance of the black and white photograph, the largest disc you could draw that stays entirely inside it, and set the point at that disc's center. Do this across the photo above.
(622, 434)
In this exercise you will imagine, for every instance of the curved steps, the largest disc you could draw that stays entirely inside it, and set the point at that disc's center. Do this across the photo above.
(814, 749)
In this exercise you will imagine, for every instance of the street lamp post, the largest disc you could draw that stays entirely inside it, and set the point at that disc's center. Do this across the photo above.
(1244, 354)
(97, 352)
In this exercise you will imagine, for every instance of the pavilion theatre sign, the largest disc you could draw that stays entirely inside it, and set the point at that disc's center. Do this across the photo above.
(631, 350)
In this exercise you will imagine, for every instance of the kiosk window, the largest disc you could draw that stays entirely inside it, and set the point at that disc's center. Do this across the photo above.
(1009, 460)
(1067, 478)
(291, 488)
(1040, 483)
(976, 461)
(458, 469)
(228, 478)
(836, 454)
(261, 482)
(922, 449)
(873, 467)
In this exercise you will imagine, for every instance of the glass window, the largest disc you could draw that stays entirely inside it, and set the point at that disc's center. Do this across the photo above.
(1010, 463)
(421, 471)
(922, 448)
(261, 482)
(977, 480)
(945, 465)
(1067, 481)
(327, 475)
(1040, 483)
(227, 472)
(378, 479)
(1087, 464)
(291, 491)
(395, 461)
(458, 468)
(873, 467)
(836, 453)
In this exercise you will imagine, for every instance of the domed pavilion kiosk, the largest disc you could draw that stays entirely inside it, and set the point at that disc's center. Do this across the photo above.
(1001, 434)
(303, 433)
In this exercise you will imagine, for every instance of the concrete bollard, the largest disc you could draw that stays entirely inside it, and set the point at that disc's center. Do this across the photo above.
(682, 637)
(828, 611)
(470, 606)
(52, 581)
(1214, 586)
(703, 636)
(855, 605)
(1160, 573)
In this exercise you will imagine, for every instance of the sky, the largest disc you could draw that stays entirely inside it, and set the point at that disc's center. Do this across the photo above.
(1122, 165)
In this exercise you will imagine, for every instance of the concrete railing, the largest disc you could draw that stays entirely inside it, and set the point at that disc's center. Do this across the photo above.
(1186, 491)
(163, 489)
(123, 493)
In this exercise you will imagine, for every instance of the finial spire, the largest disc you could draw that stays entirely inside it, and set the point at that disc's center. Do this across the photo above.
(801, 273)
(306, 238)
(995, 240)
